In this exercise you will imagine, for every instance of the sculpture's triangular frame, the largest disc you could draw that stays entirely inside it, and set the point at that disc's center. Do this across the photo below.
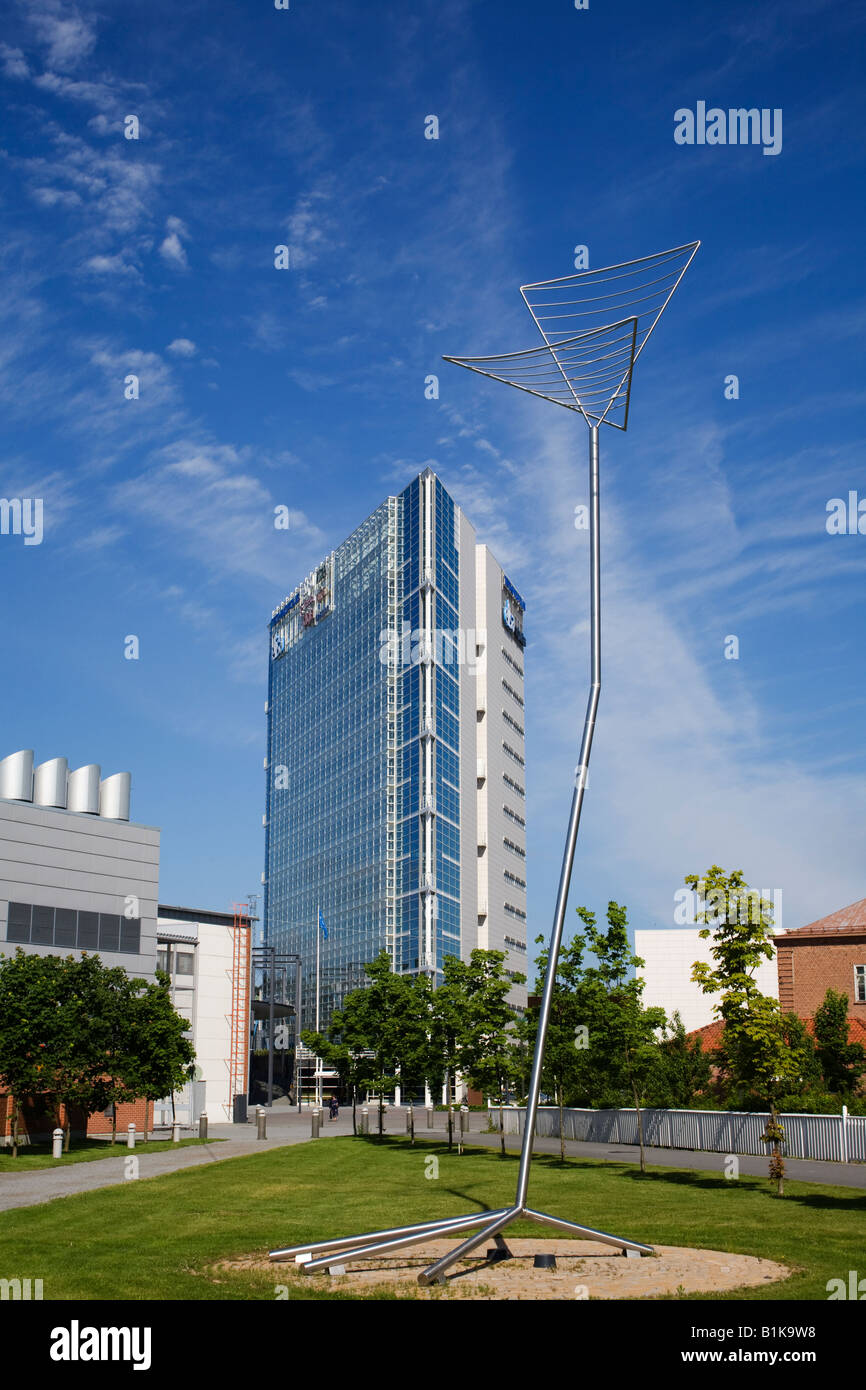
(609, 381)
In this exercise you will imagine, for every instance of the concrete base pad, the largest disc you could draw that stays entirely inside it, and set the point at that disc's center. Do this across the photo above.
(585, 1269)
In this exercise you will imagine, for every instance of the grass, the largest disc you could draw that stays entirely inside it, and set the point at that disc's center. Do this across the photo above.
(85, 1151)
(177, 1227)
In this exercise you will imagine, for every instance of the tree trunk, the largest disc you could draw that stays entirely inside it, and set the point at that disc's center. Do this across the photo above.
(67, 1129)
(450, 1117)
(381, 1113)
(561, 1128)
(114, 1122)
(639, 1114)
(146, 1103)
(14, 1126)
(354, 1109)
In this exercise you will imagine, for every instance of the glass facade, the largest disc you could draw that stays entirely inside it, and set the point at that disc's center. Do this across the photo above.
(363, 806)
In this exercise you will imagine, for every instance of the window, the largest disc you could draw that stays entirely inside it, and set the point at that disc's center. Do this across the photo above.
(185, 963)
(512, 692)
(64, 927)
(109, 931)
(18, 928)
(513, 911)
(512, 754)
(509, 844)
(515, 666)
(860, 984)
(515, 786)
(42, 931)
(512, 878)
(88, 931)
(512, 723)
(512, 815)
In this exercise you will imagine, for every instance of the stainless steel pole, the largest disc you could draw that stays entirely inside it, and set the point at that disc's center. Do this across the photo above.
(573, 823)
(298, 1030)
(271, 984)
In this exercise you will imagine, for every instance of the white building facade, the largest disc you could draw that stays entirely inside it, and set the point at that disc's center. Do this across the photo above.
(670, 953)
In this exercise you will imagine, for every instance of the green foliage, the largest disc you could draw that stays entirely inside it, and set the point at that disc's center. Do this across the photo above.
(380, 1037)
(622, 1031)
(683, 1075)
(473, 1029)
(760, 1051)
(87, 1035)
(841, 1063)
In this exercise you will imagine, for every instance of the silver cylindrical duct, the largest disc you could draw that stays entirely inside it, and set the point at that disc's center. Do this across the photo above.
(16, 776)
(83, 789)
(114, 796)
(49, 783)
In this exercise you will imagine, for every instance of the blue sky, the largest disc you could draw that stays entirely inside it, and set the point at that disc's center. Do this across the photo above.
(258, 387)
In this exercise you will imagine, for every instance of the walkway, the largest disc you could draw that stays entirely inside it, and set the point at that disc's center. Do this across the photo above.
(288, 1127)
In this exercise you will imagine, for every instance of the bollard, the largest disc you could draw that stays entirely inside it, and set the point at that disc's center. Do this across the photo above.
(202, 1126)
(261, 1122)
(130, 1136)
(464, 1118)
(57, 1144)
(365, 1121)
(317, 1122)
(412, 1122)
(175, 1131)
(409, 1119)
(429, 1116)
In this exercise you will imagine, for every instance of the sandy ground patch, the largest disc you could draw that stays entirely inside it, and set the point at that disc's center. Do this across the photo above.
(585, 1269)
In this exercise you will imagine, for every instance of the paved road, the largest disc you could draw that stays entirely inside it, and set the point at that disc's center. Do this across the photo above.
(288, 1127)
(798, 1169)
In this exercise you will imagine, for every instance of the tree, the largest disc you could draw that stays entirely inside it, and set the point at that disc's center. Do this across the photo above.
(28, 1013)
(159, 1055)
(841, 1062)
(114, 1009)
(685, 1068)
(352, 1067)
(620, 1027)
(484, 1037)
(740, 924)
(389, 1020)
(564, 1066)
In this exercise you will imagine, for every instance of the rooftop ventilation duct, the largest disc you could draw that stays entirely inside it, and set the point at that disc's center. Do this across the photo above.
(114, 796)
(83, 789)
(49, 783)
(16, 776)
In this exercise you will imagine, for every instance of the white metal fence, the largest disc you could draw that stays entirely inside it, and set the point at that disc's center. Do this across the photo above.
(836, 1137)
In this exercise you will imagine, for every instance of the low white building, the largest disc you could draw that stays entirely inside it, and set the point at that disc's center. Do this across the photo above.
(670, 953)
(209, 966)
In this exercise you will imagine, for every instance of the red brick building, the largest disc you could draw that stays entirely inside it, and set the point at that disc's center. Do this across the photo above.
(36, 1122)
(828, 954)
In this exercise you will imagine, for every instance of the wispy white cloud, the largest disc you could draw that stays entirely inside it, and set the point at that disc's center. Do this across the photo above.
(182, 347)
(171, 248)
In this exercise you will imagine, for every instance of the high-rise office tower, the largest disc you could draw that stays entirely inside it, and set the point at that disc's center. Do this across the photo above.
(396, 773)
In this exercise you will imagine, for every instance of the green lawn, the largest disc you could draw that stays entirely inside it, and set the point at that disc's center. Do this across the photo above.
(176, 1227)
(84, 1151)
